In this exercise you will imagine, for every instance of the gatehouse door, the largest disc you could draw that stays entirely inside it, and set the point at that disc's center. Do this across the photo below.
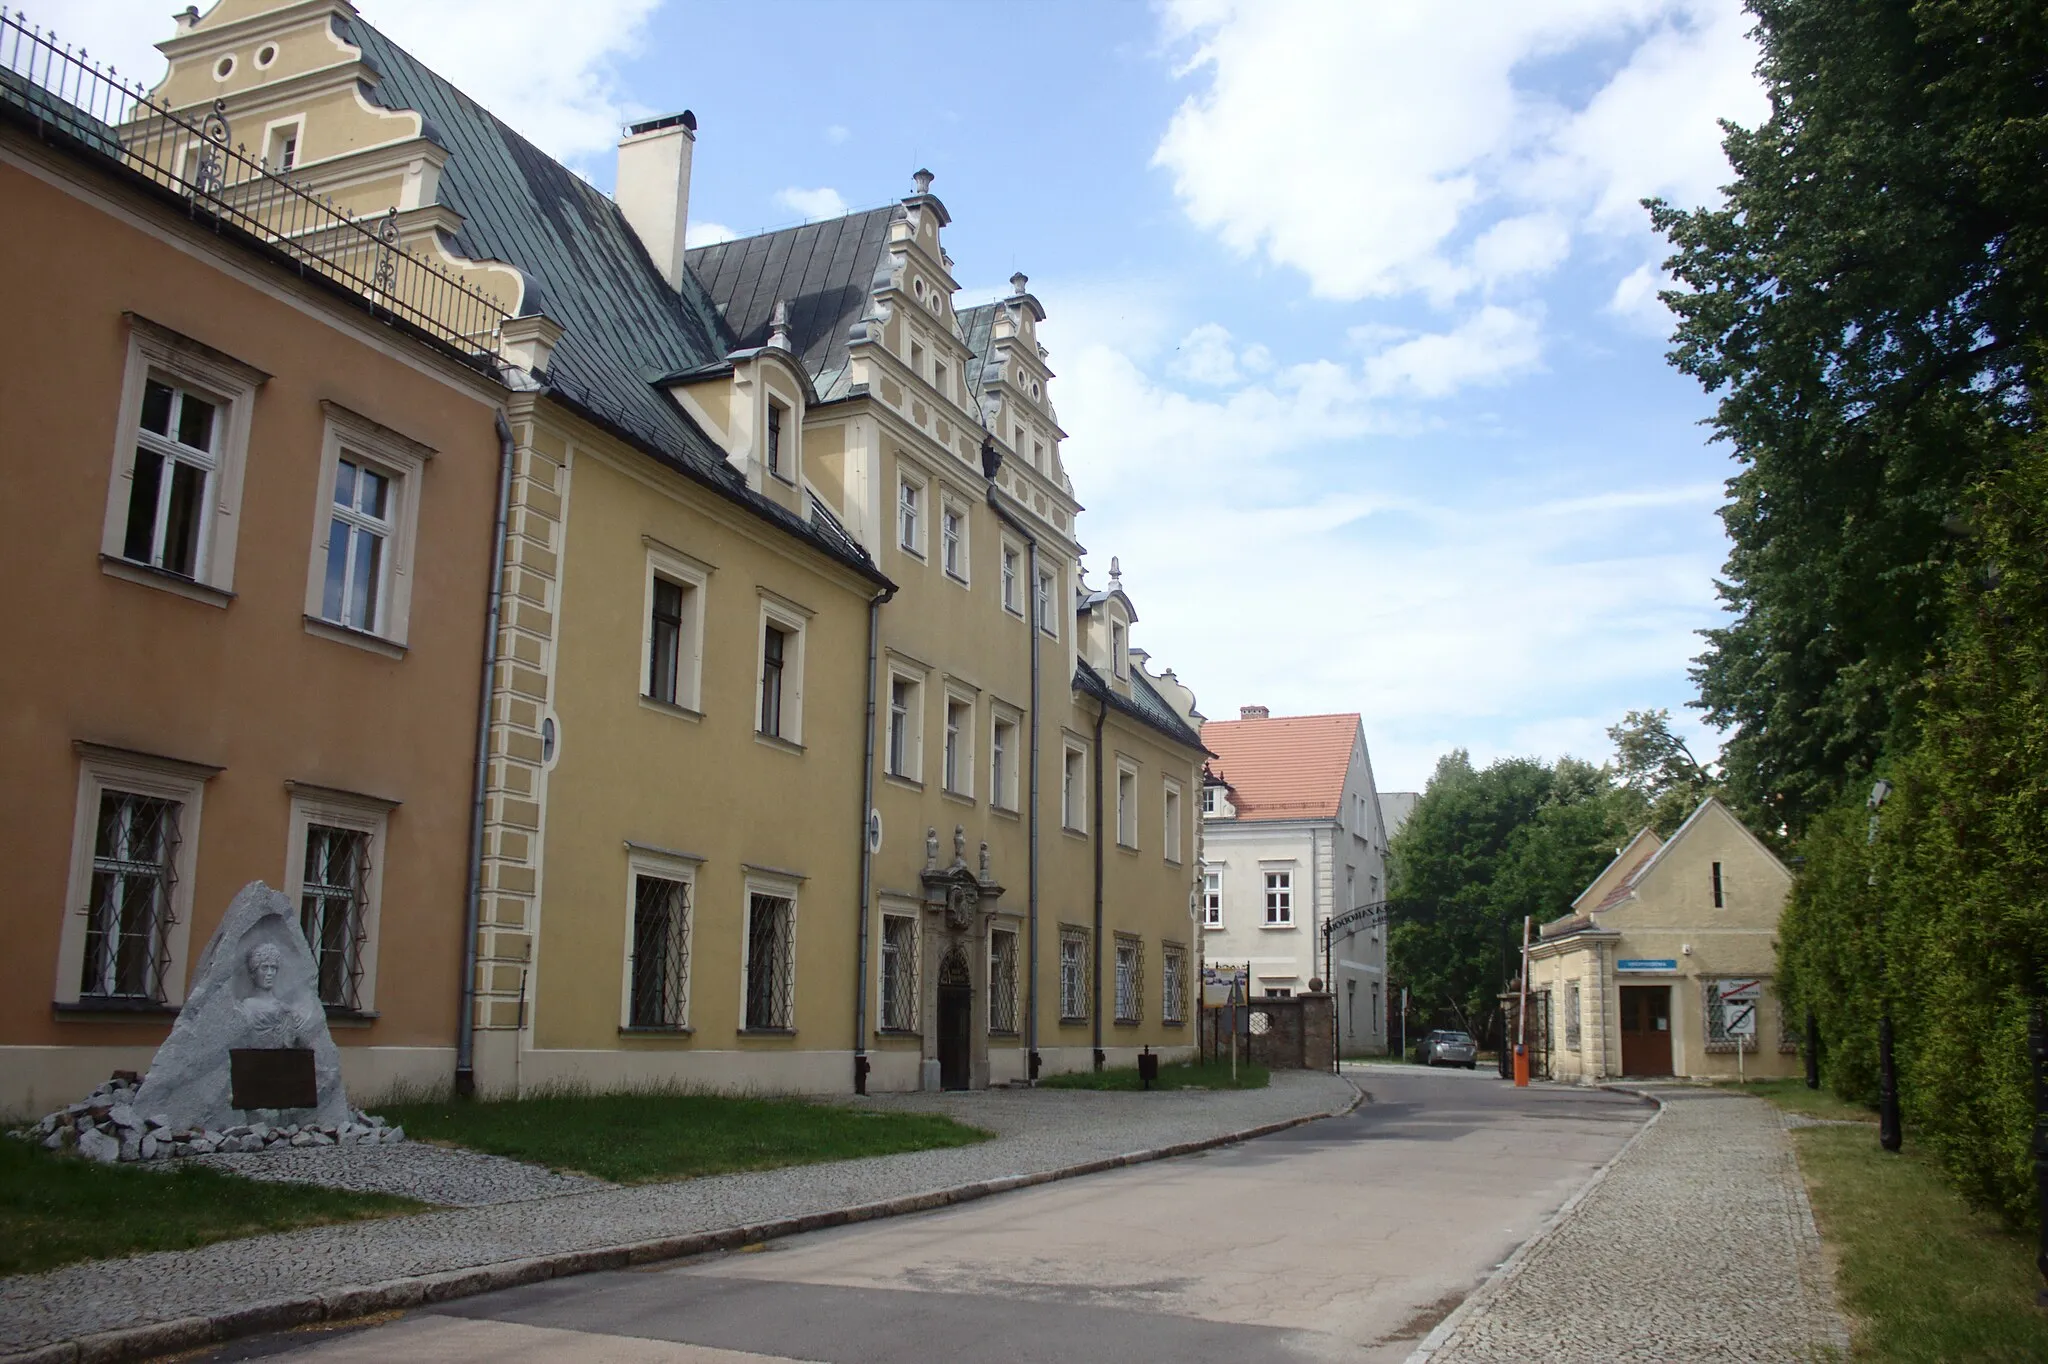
(1646, 1030)
(956, 1022)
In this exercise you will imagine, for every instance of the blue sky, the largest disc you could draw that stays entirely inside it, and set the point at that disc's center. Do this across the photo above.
(1352, 303)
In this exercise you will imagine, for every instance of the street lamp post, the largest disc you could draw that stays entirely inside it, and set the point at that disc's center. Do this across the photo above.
(1888, 1134)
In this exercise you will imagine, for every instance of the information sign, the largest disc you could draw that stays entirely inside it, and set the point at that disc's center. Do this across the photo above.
(1647, 964)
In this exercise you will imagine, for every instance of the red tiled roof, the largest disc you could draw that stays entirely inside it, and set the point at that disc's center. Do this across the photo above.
(1627, 883)
(1286, 767)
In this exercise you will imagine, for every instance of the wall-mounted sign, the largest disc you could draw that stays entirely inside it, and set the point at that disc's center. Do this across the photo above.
(1647, 964)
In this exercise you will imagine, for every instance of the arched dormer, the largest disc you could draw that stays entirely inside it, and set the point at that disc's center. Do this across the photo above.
(1105, 618)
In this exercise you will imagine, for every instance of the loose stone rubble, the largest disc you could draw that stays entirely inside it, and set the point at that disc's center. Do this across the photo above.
(107, 1126)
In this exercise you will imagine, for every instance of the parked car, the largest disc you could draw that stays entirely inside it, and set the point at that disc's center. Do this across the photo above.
(1447, 1048)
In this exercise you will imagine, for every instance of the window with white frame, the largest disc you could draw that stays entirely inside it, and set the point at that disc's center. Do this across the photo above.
(1002, 981)
(364, 531)
(658, 972)
(281, 144)
(1013, 572)
(1126, 805)
(672, 654)
(910, 514)
(135, 837)
(1120, 649)
(174, 501)
(899, 973)
(778, 464)
(1130, 978)
(1173, 983)
(1171, 802)
(1074, 788)
(780, 688)
(1210, 803)
(1212, 897)
(1048, 618)
(1002, 761)
(959, 757)
(770, 974)
(334, 868)
(906, 724)
(1073, 975)
(1279, 899)
(953, 540)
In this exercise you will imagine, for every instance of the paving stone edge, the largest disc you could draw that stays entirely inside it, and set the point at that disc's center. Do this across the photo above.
(343, 1304)
(1477, 1300)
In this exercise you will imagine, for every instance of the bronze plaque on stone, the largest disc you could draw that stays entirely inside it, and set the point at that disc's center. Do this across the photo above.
(272, 1077)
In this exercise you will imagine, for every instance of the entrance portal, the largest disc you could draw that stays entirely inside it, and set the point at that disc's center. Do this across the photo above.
(1646, 1030)
(956, 1021)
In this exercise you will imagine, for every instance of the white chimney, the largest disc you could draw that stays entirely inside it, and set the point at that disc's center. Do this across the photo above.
(654, 187)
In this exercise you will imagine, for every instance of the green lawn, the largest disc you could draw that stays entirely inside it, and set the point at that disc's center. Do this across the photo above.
(1794, 1096)
(1179, 1075)
(632, 1138)
(58, 1209)
(1925, 1278)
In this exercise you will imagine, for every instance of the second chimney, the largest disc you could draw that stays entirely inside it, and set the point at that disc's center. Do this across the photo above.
(654, 187)
(1252, 712)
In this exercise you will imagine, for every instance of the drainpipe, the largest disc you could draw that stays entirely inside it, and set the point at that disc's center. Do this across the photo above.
(1101, 714)
(991, 458)
(465, 1028)
(867, 856)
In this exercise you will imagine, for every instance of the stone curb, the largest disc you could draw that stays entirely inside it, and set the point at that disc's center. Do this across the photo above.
(343, 1304)
(1478, 1299)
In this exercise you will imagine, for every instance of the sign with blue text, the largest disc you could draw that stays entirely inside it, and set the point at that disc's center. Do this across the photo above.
(1647, 964)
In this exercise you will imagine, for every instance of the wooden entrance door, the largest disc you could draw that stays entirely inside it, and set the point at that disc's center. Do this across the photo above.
(956, 1022)
(1646, 1030)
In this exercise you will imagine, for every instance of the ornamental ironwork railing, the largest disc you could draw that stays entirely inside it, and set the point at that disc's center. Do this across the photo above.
(193, 155)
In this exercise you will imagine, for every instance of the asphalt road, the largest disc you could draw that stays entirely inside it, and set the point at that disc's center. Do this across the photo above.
(1347, 1239)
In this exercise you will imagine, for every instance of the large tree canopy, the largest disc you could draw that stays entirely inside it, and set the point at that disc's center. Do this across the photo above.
(1869, 304)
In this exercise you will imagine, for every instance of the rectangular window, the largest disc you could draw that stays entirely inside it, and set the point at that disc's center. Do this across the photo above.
(917, 359)
(1047, 621)
(1279, 899)
(1002, 981)
(129, 917)
(361, 575)
(1377, 1015)
(176, 458)
(1074, 790)
(665, 637)
(1002, 747)
(1011, 568)
(1119, 649)
(1126, 808)
(953, 542)
(283, 152)
(1212, 897)
(774, 643)
(942, 379)
(1073, 975)
(1209, 802)
(775, 439)
(334, 905)
(959, 746)
(899, 973)
(780, 689)
(1571, 1017)
(1130, 979)
(660, 995)
(1173, 983)
(909, 522)
(906, 717)
(1719, 899)
(1172, 803)
(771, 962)
(357, 547)
(672, 665)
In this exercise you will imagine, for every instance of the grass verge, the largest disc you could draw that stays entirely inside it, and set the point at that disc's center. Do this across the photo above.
(1793, 1096)
(1179, 1075)
(55, 1210)
(1925, 1278)
(634, 1138)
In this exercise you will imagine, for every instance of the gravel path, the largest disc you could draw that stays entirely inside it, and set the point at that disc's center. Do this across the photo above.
(432, 1174)
(1698, 1244)
(1037, 1130)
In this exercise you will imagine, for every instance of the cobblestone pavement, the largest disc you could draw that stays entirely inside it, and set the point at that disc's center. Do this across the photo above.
(433, 1174)
(1037, 1130)
(1698, 1244)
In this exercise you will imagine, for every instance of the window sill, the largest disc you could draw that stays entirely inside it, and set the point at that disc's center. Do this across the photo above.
(1071, 832)
(341, 1016)
(1130, 849)
(360, 639)
(958, 797)
(1010, 610)
(111, 1009)
(784, 479)
(1007, 811)
(1130, 1022)
(909, 1033)
(898, 779)
(956, 579)
(1212, 928)
(1173, 1022)
(1276, 928)
(177, 584)
(1011, 1033)
(778, 743)
(1174, 862)
(916, 554)
(669, 708)
(1077, 1021)
(644, 1030)
(766, 1032)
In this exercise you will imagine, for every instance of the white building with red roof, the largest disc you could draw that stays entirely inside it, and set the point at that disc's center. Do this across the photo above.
(1294, 838)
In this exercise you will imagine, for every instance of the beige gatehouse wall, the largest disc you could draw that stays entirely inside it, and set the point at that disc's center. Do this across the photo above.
(1690, 916)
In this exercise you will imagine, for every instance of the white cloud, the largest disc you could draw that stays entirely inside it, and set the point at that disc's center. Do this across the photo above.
(553, 81)
(1205, 356)
(1494, 344)
(1405, 146)
(812, 204)
(838, 133)
(707, 234)
(1635, 300)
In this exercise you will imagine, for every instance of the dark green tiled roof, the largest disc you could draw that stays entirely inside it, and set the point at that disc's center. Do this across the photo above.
(1144, 704)
(977, 325)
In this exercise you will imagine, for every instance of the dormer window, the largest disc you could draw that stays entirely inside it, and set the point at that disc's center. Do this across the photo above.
(1211, 802)
(1119, 649)
(773, 456)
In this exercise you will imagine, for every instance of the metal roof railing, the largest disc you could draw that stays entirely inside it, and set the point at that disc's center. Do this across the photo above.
(194, 157)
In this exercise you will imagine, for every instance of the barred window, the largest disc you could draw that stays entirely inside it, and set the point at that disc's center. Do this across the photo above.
(771, 961)
(1720, 1013)
(1571, 1018)
(1002, 981)
(333, 902)
(899, 973)
(1130, 979)
(1173, 983)
(661, 953)
(1073, 974)
(128, 922)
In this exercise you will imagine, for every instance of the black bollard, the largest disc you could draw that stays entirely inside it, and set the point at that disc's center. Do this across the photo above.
(1812, 1051)
(1888, 1134)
